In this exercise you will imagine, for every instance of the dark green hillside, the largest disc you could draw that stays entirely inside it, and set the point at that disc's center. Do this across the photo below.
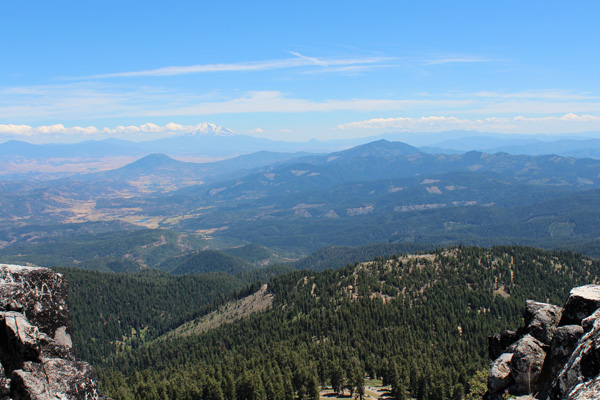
(391, 160)
(111, 311)
(110, 264)
(333, 257)
(546, 223)
(203, 262)
(419, 322)
(143, 246)
(252, 253)
(55, 232)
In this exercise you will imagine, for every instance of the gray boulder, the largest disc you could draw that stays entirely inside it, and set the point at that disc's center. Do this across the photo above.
(500, 377)
(541, 320)
(38, 293)
(526, 365)
(55, 379)
(588, 323)
(564, 343)
(558, 358)
(583, 301)
(23, 341)
(582, 366)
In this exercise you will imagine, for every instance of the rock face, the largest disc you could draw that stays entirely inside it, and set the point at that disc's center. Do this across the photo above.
(37, 360)
(582, 303)
(556, 356)
(528, 356)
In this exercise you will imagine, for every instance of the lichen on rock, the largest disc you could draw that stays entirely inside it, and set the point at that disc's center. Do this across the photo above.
(37, 359)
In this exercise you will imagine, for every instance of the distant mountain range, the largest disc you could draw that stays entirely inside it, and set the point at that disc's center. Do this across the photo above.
(297, 203)
(160, 172)
(221, 142)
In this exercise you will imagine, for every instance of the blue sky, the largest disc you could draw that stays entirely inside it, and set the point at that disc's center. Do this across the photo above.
(77, 70)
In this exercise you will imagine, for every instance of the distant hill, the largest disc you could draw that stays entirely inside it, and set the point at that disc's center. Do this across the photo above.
(379, 148)
(334, 257)
(153, 172)
(90, 148)
(161, 172)
(384, 160)
(204, 262)
(589, 148)
(523, 144)
(252, 253)
(123, 251)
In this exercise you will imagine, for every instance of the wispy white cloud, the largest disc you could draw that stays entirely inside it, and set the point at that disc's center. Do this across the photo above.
(565, 118)
(348, 70)
(456, 59)
(533, 106)
(537, 94)
(276, 102)
(92, 101)
(313, 60)
(429, 124)
(298, 61)
(549, 124)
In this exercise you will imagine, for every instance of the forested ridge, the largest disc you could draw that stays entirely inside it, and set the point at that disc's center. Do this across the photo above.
(418, 322)
(113, 311)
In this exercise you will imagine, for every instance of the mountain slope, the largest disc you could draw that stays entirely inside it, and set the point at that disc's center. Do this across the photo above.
(418, 322)
(154, 171)
(161, 172)
(204, 262)
(141, 247)
(385, 160)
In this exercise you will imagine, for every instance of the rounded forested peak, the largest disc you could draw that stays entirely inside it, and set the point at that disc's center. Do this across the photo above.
(379, 148)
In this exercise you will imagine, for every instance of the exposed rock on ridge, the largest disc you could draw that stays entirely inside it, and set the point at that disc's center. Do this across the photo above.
(37, 360)
(556, 356)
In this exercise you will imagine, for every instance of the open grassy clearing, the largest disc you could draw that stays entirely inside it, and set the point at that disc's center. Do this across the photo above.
(372, 392)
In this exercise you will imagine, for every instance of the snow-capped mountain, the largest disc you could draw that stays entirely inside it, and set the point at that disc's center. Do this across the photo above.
(210, 129)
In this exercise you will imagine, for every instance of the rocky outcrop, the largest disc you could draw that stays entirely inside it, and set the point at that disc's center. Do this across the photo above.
(37, 360)
(528, 356)
(583, 302)
(541, 320)
(555, 356)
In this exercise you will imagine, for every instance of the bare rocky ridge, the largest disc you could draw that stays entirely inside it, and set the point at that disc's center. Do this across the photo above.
(37, 359)
(230, 312)
(556, 356)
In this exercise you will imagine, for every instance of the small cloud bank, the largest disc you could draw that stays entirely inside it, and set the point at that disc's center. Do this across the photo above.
(12, 130)
(550, 124)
